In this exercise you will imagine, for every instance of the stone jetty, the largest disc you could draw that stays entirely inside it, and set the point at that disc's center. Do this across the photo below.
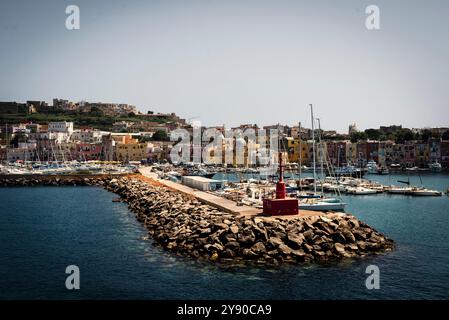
(182, 224)
(53, 180)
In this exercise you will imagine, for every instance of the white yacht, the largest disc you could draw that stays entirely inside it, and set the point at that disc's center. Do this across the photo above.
(371, 167)
(435, 167)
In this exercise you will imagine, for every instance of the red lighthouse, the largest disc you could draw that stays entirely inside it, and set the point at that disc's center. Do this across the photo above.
(280, 205)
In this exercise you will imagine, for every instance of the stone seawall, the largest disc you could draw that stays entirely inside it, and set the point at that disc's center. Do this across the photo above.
(182, 224)
(54, 180)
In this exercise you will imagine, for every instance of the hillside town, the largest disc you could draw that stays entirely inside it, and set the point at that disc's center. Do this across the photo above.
(146, 139)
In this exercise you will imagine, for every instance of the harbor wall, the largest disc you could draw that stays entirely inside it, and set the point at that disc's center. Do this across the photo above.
(183, 225)
(186, 226)
(55, 180)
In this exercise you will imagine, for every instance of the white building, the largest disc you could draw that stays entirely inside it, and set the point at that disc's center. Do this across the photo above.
(64, 127)
(23, 154)
(58, 137)
(88, 136)
(202, 183)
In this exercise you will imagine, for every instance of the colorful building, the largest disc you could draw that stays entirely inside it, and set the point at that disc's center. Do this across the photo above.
(294, 154)
(372, 151)
(434, 150)
(129, 149)
(444, 151)
(422, 154)
(351, 152)
(336, 151)
(88, 151)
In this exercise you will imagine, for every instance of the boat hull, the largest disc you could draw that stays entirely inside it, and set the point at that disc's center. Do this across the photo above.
(322, 206)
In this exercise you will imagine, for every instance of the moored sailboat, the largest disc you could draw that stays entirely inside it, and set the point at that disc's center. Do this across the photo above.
(319, 203)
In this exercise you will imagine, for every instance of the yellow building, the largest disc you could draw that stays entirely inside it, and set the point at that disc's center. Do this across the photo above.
(129, 149)
(237, 152)
(422, 153)
(293, 145)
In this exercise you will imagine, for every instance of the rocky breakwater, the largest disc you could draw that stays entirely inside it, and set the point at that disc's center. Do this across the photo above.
(184, 225)
(53, 180)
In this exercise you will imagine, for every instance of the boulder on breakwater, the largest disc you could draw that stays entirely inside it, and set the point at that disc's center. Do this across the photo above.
(184, 225)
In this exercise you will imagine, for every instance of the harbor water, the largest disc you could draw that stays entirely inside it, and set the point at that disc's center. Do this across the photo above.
(45, 229)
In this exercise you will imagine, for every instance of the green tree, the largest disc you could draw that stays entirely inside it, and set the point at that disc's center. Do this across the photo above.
(18, 137)
(144, 138)
(445, 135)
(426, 134)
(95, 111)
(404, 135)
(372, 134)
(357, 136)
(160, 135)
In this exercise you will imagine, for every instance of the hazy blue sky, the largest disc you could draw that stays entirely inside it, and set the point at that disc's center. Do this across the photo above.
(231, 62)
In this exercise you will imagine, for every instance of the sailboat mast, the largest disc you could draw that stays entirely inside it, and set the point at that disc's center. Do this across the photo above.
(300, 155)
(313, 149)
(321, 154)
(280, 154)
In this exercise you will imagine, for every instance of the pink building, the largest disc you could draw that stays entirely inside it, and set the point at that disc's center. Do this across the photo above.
(89, 151)
(409, 154)
(372, 150)
(445, 154)
(336, 151)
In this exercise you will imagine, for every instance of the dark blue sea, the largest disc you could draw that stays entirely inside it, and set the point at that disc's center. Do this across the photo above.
(45, 229)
